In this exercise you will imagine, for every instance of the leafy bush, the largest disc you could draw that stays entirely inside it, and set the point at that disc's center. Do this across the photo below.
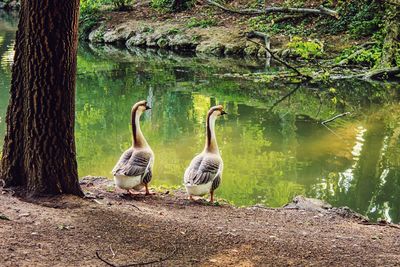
(368, 57)
(90, 6)
(171, 5)
(266, 24)
(201, 23)
(367, 20)
(259, 23)
(122, 4)
(306, 49)
(88, 16)
(360, 18)
(93, 6)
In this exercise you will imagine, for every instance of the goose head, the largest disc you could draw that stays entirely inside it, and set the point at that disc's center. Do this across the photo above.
(140, 107)
(216, 111)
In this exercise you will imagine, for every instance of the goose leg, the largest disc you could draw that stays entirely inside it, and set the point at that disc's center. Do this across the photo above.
(212, 196)
(147, 190)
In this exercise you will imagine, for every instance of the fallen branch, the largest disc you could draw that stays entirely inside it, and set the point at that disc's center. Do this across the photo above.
(383, 74)
(139, 263)
(288, 17)
(335, 117)
(251, 11)
(355, 54)
(264, 36)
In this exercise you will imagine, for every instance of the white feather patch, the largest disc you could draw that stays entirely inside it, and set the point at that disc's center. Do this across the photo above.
(198, 190)
(128, 182)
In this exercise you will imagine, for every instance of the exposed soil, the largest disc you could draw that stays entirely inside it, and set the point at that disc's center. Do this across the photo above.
(67, 231)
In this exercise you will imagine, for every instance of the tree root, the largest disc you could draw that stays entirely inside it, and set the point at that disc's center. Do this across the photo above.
(250, 11)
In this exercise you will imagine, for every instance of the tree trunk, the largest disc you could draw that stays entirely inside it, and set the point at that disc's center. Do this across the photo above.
(391, 44)
(39, 148)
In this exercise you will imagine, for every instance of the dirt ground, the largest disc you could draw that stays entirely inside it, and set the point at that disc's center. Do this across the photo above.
(67, 231)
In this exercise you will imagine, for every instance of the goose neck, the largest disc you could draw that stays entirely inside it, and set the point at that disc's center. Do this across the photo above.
(138, 137)
(211, 140)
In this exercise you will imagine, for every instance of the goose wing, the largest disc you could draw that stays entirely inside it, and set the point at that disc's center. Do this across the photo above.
(203, 169)
(134, 163)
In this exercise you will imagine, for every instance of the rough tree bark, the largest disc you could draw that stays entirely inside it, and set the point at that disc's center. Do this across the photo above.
(391, 44)
(39, 148)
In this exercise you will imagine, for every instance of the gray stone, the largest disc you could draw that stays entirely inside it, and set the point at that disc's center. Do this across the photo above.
(152, 38)
(162, 42)
(118, 34)
(233, 49)
(262, 52)
(136, 40)
(309, 204)
(251, 49)
(96, 36)
(181, 41)
(210, 48)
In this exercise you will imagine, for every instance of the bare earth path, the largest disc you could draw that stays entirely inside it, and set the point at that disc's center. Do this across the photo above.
(67, 231)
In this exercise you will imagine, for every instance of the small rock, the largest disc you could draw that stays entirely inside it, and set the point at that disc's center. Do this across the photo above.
(4, 217)
(136, 40)
(210, 48)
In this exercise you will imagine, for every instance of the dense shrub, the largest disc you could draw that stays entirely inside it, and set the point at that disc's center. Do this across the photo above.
(360, 18)
(305, 49)
(91, 6)
(171, 5)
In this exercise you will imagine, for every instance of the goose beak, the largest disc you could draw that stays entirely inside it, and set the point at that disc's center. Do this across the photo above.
(223, 112)
(147, 107)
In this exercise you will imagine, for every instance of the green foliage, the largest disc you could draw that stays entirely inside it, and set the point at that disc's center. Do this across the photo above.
(359, 18)
(171, 5)
(259, 23)
(367, 20)
(367, 57)
(306, 49)
(122, 4)
(162, 5)
(174, 31)
(266, 24)
(201, 23)
(93, 6)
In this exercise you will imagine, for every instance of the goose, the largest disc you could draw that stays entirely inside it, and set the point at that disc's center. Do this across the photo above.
(204, 173)
(134, 168)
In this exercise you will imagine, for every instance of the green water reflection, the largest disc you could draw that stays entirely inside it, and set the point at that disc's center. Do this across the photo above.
(270, 155)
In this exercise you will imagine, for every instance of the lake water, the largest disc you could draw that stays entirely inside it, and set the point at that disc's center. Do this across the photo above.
(272, 150)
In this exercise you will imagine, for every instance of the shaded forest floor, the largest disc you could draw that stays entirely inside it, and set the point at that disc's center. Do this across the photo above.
(67, 231)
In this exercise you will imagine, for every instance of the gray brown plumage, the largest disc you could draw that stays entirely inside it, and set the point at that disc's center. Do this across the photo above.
(205, 170)
(134, 168)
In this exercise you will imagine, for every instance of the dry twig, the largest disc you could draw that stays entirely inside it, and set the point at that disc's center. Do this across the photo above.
(168, 256)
